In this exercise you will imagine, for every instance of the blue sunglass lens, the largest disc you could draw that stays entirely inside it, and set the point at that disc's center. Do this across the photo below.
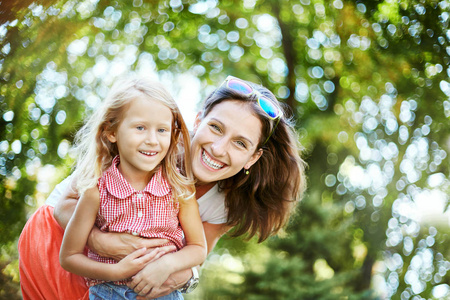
(240, 86)
(243, 88)
(269, 107)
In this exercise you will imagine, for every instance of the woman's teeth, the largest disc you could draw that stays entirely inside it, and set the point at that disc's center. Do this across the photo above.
(210, 162)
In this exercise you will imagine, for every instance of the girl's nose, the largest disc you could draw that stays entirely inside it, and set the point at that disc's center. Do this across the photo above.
(151, 138)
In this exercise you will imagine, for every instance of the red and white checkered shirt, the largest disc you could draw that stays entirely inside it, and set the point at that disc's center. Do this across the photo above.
(151, 213)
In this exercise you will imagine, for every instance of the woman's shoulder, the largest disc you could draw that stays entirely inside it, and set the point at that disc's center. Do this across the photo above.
(213, 194)
(212, 206)
(57, 192)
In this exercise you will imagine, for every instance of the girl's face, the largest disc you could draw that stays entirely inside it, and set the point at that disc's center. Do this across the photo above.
(142, 137)
(225, 141)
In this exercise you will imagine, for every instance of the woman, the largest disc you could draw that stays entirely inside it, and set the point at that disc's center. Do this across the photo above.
(245, 157)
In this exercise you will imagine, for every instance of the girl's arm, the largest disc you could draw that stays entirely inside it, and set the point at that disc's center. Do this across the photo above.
(107, 244)
(196, 246)
(213, 233)
(193, 254)
(72, 257)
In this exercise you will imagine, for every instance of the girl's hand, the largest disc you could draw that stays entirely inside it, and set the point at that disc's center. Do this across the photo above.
(119, 245)
(136, 261)
(152, 276)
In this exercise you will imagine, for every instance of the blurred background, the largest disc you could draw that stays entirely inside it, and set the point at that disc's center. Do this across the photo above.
(367, 81)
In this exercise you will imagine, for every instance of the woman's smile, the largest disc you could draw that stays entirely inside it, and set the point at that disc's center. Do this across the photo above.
(210, 162)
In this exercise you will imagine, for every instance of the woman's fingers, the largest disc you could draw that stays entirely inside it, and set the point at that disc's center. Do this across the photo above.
(145, 290)
(139, 242)
(151, 243)
(137, 284)
(133, 283)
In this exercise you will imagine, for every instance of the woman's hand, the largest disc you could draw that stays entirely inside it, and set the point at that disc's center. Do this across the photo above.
(174, 282)
(153, 275)
(152, 281)
(118, 245)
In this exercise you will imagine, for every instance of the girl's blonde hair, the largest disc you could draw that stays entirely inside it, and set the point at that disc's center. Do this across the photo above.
(95, 152)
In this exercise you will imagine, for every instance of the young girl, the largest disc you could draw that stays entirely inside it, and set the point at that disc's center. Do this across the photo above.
(127, 174)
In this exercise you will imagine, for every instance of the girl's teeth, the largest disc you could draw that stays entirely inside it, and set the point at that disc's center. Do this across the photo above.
(211, 163)
(148, 153)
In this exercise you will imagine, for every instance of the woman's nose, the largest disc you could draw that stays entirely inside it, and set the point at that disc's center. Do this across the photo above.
(219, 147)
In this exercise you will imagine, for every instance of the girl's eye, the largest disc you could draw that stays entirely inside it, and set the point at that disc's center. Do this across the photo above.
(140, 128)
(162, 130)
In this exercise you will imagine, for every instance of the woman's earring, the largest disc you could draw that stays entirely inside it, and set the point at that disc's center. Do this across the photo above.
(247, 171)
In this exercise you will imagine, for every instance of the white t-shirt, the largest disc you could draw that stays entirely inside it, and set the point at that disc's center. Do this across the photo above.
(211, 204)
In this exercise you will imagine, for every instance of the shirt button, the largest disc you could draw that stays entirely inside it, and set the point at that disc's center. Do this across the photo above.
(139, 196)
(140, 214)
(135, 233)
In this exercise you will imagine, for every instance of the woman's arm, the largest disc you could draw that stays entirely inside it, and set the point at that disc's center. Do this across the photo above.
(72, 257)
(65, 206)
(213, 232)
(107, 244)
(192, 254)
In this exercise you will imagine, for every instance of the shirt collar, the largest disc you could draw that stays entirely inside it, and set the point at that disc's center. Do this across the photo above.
(119, 187)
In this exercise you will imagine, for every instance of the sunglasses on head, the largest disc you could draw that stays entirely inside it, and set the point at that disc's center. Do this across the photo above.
(272, 111)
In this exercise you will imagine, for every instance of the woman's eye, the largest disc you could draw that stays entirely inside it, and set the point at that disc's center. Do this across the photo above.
(241, 144)
(162, 130)
(215, 128)
(140, 128)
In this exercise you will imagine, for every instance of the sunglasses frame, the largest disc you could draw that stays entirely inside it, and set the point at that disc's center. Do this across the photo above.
(260, 96)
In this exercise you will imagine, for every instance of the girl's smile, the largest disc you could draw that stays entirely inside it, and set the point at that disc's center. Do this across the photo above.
(148, 153)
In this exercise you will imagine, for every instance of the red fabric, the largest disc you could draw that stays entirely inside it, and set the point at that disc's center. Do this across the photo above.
(41, 276)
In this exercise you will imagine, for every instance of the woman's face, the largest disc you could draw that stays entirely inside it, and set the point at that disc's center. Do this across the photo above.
(225, 141)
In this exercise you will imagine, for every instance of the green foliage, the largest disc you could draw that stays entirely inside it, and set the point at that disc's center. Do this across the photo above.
(290, 279)
(367, 82)
(9, 276)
